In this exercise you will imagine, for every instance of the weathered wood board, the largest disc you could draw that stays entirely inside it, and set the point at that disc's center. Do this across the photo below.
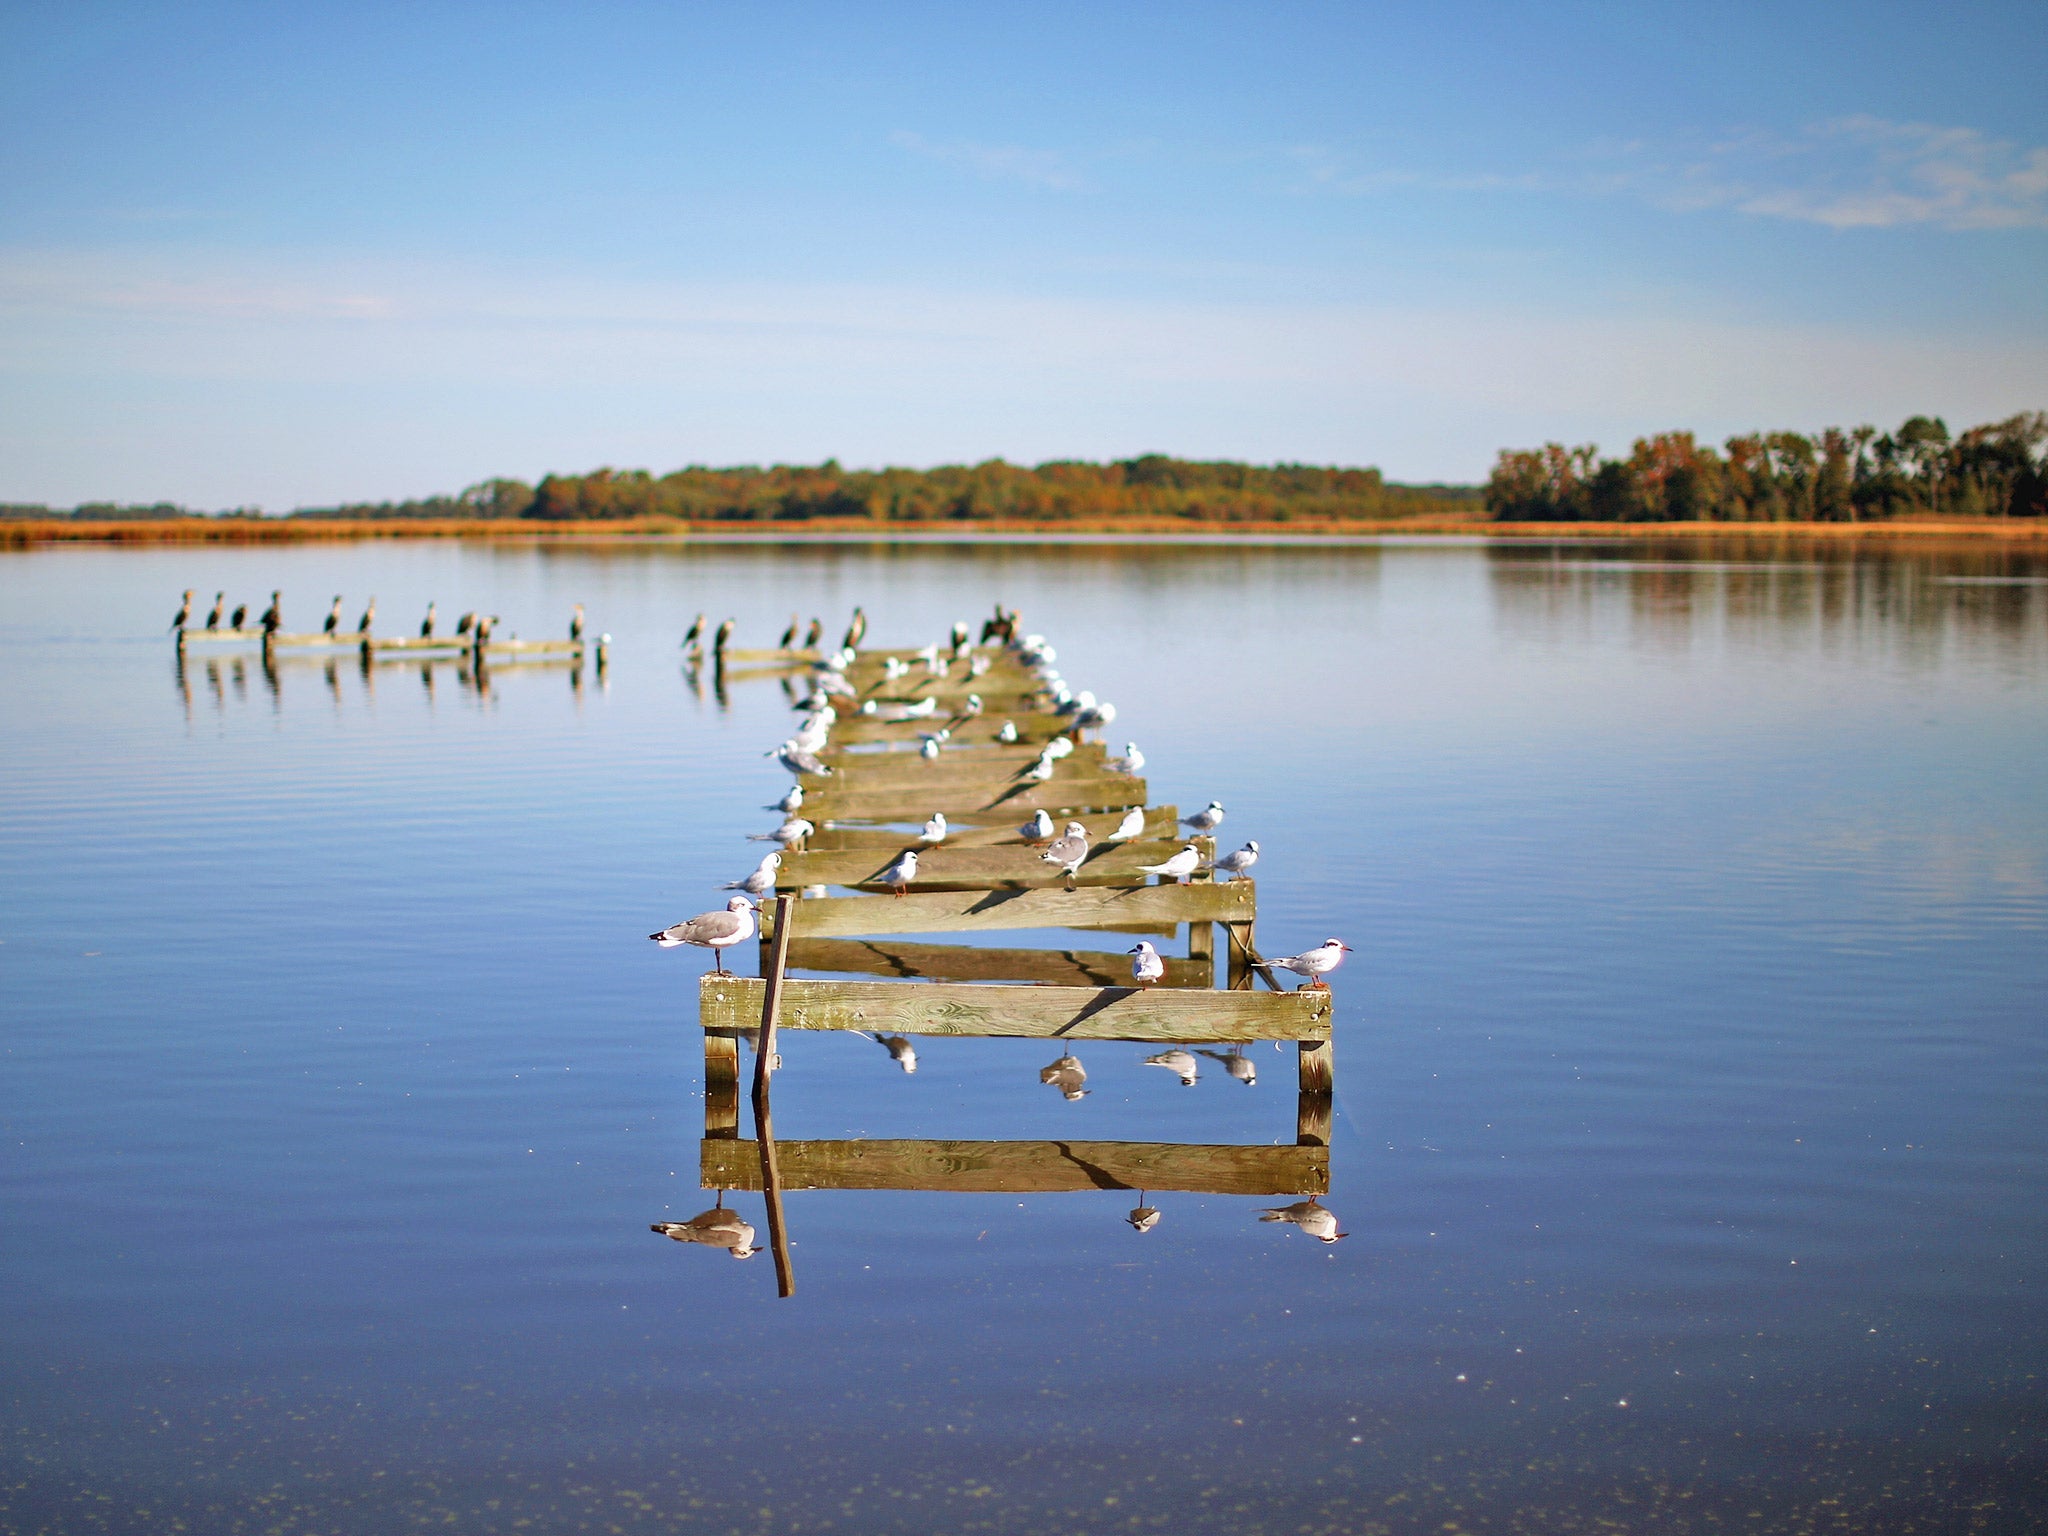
(1129, 908)
(1021, 1167)
(1174, 1016)
(953, 773)
(949, 867)
(1032, 727)
(283, 641)
(1161, 821)
(959, 962)
(994, 762)
(1110, 793)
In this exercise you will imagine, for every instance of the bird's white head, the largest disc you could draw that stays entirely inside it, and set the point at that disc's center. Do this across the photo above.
(1337, 944)
(1075, 829)
(1251, 846)
(740, 904)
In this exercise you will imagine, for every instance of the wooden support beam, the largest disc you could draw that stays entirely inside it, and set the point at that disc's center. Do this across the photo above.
(1057, 1013)
(765, 1060)
(722, 1108)
(1161, 822)
(721, 1060)
(1237, 953)
(188, 636)
(1128, 908)
(947, 867)
(1318, 1061)
(960, 962)
(1056, 796)
(1032, 727)
(1314, 1114)
(1023, 1167)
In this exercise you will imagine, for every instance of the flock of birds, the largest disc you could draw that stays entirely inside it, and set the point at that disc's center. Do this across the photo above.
(470, 625)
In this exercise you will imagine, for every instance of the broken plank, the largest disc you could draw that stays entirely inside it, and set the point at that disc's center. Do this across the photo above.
(1022, 1167)
(960, 962)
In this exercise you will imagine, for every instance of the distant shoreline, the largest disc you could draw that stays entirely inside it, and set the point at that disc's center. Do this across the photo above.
(31, 533)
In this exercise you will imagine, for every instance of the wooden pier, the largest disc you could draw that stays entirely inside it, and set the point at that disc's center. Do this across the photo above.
(478, 644)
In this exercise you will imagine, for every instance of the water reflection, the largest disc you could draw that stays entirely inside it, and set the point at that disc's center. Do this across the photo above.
(1068, 1076)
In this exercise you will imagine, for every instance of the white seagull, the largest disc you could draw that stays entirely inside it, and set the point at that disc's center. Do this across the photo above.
(1178, 1062)
(1068, 850)
(1008, 732)
(762, 881)
(715, 1228)
(1146, 966)
(1317, 1222)
(715, 931)
(1208, 819)
(901, 873)
(935, 829)
(1238, 863)
(1179, 867)
(794, 830)
(1315, 963)
(1132, 824)
(1038, 829)
(1132, 762)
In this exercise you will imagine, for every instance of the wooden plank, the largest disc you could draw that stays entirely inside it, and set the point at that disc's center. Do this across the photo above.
(1318, 1060)
(1063, 1013)
(1032, 727)
(187, 636)
(1092, 906)
(534, 647)
(740, 656)
(960, 962)
(282, 641)
(955, 775)
(765, 1059)
(375, 643)
(946, 867)
(1023, 1167)
(1056, 795)
(1161, 821)
(993, 762)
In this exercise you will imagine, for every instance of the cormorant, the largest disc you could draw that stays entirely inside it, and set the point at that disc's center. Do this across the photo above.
(184, 611)
(855, 630)
(273, 616)
(576, 623)
(213, 618)
(789, 635)
(427, 624)
(814, 634)
(369, 617)
(694, 633)
(333, 617)
(724, 634)
(466, 623)
(241, 614)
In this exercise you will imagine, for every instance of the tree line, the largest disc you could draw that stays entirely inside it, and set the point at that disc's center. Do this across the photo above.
(1838, 475)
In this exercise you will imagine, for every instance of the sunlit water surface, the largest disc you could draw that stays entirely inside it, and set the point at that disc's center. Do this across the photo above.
(1690, 1113)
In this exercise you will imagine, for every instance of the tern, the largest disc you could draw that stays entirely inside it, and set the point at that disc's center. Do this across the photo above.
(715, 1228)
(1068, 1075)
(899, 875)
(1038, 829)
(184, 611)
(790, 803)
(935, 829)
(1039, 771)
(1146, 966)
(1179, 1062)
(1132, 762)
(1206, 820)
(1315, 963)
(1318, 1222)
(1068, 851)
(1238, 863)
(715, 931)
(1179, 867)
(1132, 824)
(900, 1050)
(762, 881)
(797, 758)
(1237, 1064)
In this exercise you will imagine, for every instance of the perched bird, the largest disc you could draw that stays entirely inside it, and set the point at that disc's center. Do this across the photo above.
(812, 635)
(855, 631)
(1132, 762)
(960, 633)
(1179, 867)
(1037, 829)
(761, 882)
(1238, 863)
(715, 1228)
(1146, 966)
(900, 1050)
(972, 707)
(1315, 963)
(724, 634)
(369, 617)
(1143, 1217)
(1068, 851)
(1237, 1064)
(1095, 714)
(1008, 733)
(1039, 771)
(899, 875)
(427, 624)
(1059, 747)
(790, 803)
(466, 623)
(919, 710)
(273, 616)
(1132, 824)
(929, 748)
(1206, 820)
(694, 633)
(184, 611)
(1312, 1218)
(1179, 1062)
(796, 758)
(935, 829)
(977, 665)
(789, 635)
(715, 931)
(333, 617)
(213, 618)
(794, 830)
(241, 616)
(1068, 1075)
(576, 622)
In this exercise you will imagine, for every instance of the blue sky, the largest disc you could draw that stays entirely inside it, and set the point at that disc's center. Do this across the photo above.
(290, 254)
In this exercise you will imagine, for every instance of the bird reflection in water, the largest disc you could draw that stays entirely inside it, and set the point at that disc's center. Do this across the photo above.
(1178, 1062)
(715, 1228)
(1068, 1075)
(1314, 1219)
(1237, 1064)
(1143, 1217)
(900, 1050)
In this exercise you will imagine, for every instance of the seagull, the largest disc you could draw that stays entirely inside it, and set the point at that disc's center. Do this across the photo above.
(241, 615)
(213, 618)
(973, 706)
(694, 633)
(919, 710)
(1039, 771)
(333, 617)
(715, 1228)
(794, 830)
(1038, 829)
(369, 617)
(1146, 966)
(790, 803)
(427, 624)
(762, 881)
(715, 931)
(1068, 850)
(1008, 732)
(1095, 714)
(1068, 1075)
(899, 875)
(1179, 867)
(1317, 1222)
(184, 611)
(1206, 820)
(273, 616)
(576, 622)
(935, 829)
(796, 758)
(1177, 1061)
(1237, 1064)
(1315, 963)
(930, 748)
(900, 1050)
(1238, 863)
(1059, 747)
(1132, 762)
(1144, 1217)
(789, 635)
(960, 633)
(1132, 824)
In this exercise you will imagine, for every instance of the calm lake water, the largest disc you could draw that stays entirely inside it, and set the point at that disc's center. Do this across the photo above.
(1690, 1117)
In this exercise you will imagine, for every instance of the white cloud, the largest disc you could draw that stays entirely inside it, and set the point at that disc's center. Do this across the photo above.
(996, 162)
